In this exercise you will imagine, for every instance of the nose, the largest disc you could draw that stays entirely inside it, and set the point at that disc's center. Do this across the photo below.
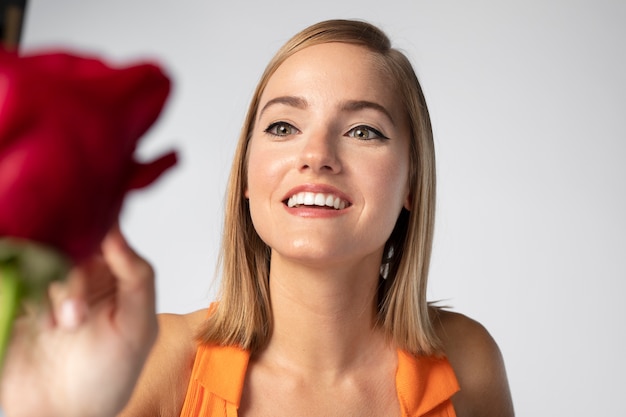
(319, 153)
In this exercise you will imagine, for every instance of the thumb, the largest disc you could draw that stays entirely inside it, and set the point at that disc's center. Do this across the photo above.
(135, 312)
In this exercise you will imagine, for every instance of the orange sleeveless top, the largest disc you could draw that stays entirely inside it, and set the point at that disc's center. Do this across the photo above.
(424, 384)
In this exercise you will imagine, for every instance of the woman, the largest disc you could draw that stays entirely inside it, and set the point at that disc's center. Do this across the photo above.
(325, 258)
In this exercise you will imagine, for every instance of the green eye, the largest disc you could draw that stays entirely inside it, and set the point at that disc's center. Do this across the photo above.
(365, 133)
(281, 129)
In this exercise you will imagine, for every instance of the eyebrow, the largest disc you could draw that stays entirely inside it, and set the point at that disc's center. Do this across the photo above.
(292, 101)
(349, 105)
(356, 105)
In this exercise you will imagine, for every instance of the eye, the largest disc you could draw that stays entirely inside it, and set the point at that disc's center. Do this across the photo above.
(281, 129)
(364, 132)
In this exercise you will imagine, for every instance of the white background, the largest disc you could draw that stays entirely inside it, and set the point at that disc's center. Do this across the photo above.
(528, 105)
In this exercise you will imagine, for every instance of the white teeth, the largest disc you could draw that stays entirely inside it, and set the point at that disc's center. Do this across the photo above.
(316, 199)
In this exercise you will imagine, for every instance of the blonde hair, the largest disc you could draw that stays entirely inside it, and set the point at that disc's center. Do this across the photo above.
(243, 316)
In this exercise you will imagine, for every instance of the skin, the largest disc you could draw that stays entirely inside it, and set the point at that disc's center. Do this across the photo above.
(325, 350)
(312, 98)
(473, 353)
(105, 310)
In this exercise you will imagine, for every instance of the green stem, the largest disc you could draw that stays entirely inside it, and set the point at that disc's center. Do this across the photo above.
(11, 292)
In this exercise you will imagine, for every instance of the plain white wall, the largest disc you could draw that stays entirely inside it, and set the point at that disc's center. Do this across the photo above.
(527, 102)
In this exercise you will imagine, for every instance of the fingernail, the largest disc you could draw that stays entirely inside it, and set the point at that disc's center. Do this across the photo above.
(70, 314)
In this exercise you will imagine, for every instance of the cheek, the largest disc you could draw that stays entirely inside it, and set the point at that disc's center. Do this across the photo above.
(265, 167)
(390, 182)
(257, 165)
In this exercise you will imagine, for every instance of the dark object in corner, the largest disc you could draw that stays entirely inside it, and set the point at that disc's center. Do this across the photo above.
(11, 18)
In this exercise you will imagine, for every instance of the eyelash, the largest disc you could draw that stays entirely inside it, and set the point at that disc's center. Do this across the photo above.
(378, 135)
(272, 130)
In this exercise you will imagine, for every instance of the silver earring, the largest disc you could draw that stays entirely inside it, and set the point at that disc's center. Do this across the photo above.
(384, 270)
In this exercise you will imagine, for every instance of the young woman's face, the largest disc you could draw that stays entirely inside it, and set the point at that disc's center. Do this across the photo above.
(329, 157)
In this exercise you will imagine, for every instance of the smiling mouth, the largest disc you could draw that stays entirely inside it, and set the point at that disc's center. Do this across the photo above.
(316, 200)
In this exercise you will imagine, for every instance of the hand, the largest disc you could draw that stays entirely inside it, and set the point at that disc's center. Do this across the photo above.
(83, 355)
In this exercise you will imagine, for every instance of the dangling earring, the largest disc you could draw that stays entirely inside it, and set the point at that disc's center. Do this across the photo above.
(384, 270)
(384, 267)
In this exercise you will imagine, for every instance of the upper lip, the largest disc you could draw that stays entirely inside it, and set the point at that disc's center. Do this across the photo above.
(317, 188)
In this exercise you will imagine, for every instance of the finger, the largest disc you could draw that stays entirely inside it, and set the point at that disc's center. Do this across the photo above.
(135, 287)
(100, 283)
(68, 305)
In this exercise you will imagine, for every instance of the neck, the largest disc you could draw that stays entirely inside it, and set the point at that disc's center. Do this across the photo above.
(324, 318)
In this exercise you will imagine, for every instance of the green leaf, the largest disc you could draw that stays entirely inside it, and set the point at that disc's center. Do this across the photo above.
(26, 270)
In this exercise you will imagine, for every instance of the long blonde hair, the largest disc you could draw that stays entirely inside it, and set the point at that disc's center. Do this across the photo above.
(243, 316)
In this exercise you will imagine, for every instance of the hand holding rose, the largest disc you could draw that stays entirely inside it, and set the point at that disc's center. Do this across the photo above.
(90, 345)
(69, 127)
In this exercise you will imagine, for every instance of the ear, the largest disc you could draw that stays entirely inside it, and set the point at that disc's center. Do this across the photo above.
(408, 201)
(246, 193)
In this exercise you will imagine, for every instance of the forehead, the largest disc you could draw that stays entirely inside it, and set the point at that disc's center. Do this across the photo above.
(334, 71)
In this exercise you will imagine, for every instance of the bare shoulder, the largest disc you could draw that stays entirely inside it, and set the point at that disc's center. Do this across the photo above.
(163, 383)
(478, 365)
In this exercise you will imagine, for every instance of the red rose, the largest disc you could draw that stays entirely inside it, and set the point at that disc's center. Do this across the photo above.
(69, 127)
